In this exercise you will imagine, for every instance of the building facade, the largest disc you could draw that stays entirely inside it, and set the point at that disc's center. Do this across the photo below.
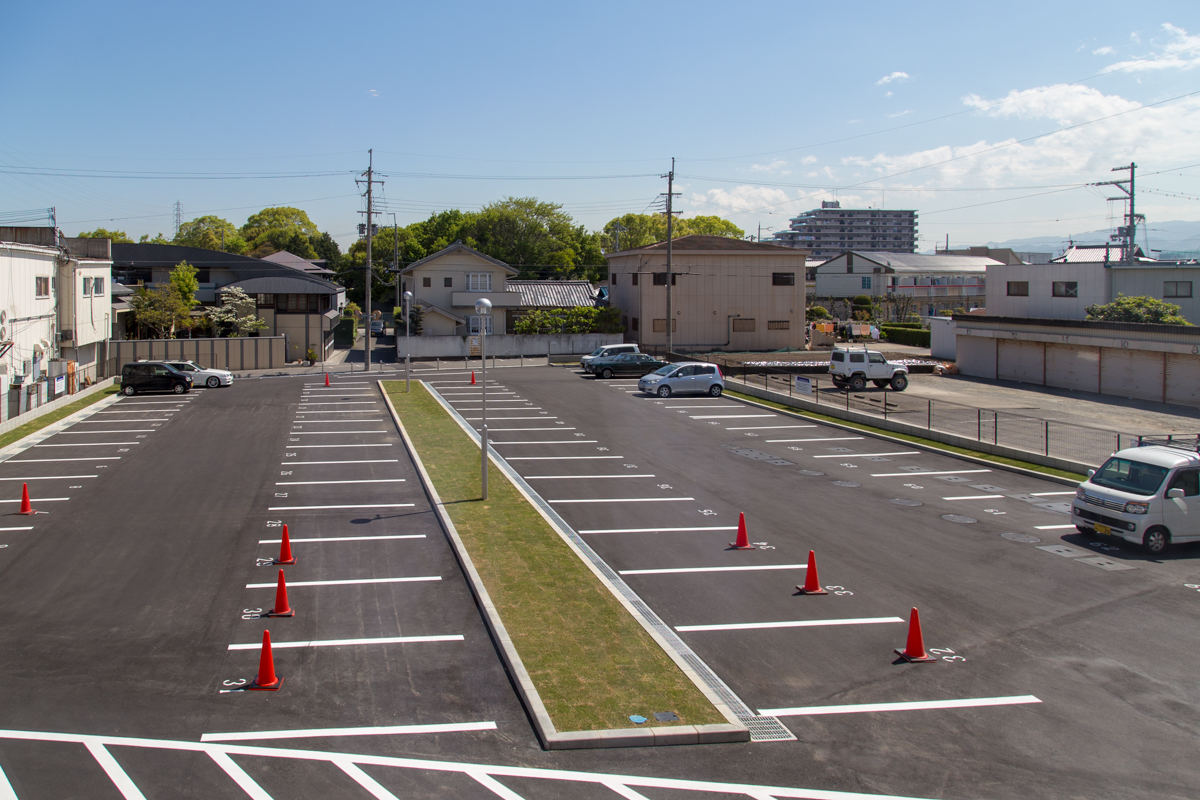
(934, 284)
(830, 230)
(446, 285)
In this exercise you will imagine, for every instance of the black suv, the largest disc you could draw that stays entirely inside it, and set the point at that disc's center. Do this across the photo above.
(153, 376)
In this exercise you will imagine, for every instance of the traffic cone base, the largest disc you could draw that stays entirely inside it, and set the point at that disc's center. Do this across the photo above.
(26, 508)
(743, 539)
(255, 686)
(281, 609)
(914, 651)
(812, 583)
(285, 549)
(266, 680)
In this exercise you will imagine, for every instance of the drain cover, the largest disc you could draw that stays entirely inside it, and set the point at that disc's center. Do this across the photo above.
(759, 455)
(953, 479)
(1104, 563)
(958, 518)
(915, 469)
(1066, 551)
(847, 484)
(989, 488)
(1021, 537)
(901, 501)
(813, 472)
(877, 458)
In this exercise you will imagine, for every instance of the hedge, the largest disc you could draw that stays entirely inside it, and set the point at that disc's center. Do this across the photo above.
(914, 325)
(907, 336)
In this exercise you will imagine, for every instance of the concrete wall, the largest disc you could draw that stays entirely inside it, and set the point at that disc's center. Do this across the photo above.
(28, 319)
(1148, 281)
(1041, 303)
(504, 345)
(234, 354)
(942, 338)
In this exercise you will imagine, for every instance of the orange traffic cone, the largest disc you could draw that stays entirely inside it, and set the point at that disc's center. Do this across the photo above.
(326, 378)
(812, 584)
(267, 680)
(472, 377)
(281, 608)
(26, 508)
(743, 540)
(915, 649)
(285, 549)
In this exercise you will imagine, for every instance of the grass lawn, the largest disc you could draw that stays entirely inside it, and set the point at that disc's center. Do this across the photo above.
(592, 662)
(21, 431)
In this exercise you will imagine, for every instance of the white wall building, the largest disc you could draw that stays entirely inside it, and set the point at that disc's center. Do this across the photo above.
(937, 283)
(831, 229)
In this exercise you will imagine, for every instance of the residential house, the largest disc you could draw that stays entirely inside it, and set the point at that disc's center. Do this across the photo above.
(313, 266)
(727, 294)
(550, 296)
(936, 283)
(447, 283)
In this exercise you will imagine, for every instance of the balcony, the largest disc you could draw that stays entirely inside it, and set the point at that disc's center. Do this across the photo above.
(499, 299)
(938, 291)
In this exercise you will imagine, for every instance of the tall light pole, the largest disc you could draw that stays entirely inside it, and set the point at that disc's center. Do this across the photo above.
(407, 347)
(483, 307)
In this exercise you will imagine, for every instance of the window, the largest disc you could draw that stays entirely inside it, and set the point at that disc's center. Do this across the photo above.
(448, 283)
(838, 357)
(866, 282)
(743, 325)
(876, 358)
(477, 320)
(479, 281)
(857, 358)
(612, 279)
(660, 279)
(779, 324)
(426, 282)
(635, 280)
(660, 325)
(635, 320)
(624, 321)
(1177, 289)
(297, 303)
(41, 287)
(1188, 480)
(1018, 288)
(1065, 289)
(265, 300)
(783, 279)
(97, 286)
(87, 287)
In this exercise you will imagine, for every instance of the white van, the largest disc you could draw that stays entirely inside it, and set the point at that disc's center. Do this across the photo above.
(606, 351)
(1148, 495)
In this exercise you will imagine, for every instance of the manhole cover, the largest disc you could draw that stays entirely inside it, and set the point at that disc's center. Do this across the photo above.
(847, 484)
(953, 479)
(1021, 537)
(901, 501)
(813, 472)
(876, 458)
(959, 518)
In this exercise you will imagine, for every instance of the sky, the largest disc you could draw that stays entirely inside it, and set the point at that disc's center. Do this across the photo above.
(988, 119)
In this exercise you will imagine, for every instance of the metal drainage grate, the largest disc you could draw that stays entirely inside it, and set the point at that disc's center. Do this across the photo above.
(766, 729)
(959, 518)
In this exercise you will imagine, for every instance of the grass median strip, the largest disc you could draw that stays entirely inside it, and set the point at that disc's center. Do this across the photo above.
(592, 663)
(21, 431)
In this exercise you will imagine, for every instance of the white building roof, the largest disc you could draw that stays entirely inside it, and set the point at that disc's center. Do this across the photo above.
(914, 263)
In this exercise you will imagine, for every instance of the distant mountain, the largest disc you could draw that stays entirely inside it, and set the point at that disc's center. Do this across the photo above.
(1176, 235)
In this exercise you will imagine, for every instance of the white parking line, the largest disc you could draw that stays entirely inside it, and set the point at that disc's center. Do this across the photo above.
(38, 500)
(619, 500)
(706, 569)
(386, 730)
(1047, 494)
(359, 411)
(329, 433)
(93, 433)
(553, 458)
(346, 538)
(476, 400)
(707, 405)
(337, 421)
(494, 430)
(364, 461)
(729, 416)
(574, 441)
(292, 584)
(771, 428)
(347, 403)
(520, 408)
(804, 623)
(872, 455)
(978, 497)
(309, 446)
(922, 474)
(344, 642)
(25, 528)
(660, 530)
(316, 483)
(827, 439)
(87, 444)
(115, 421)
(556, 477)
(45, 460)
(335, 385)
(1052, 527)
(505, 419)
(306, 508)
(859, 708)
(50, 478)
(152, 411)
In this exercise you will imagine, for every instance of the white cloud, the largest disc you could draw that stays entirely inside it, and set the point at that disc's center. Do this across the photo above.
(1181, 50)
(889, 94)
(775, 166)
(895, 76)
(899, 114)
(808, 160)
(740, 198)
(1104, 51)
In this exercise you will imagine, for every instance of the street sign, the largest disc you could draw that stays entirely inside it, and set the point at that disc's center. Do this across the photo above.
(474, 344)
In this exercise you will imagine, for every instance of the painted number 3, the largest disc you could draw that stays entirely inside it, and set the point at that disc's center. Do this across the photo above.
(943, 653)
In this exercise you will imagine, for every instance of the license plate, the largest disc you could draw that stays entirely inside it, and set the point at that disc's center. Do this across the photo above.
(1104, 529)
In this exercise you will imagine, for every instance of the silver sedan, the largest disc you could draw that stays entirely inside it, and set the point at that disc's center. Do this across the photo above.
(202, 376)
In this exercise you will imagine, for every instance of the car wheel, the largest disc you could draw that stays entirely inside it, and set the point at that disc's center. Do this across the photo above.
(715, 390)
(606, 373)
(858, 383)
(664, 391)
(179, 388)
(839, 383)
(128, 391)
(899, 382)
(1156, 540)
(214, 382)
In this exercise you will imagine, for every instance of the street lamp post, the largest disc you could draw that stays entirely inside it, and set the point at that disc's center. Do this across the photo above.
(483, 307)
(408, 296)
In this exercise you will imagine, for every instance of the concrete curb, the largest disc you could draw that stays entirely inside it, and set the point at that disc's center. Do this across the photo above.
(30, 416)
(552, 739)
(38, 436)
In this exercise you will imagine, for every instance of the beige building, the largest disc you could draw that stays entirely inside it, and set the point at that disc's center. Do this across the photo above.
(447, 284)
(727, 294)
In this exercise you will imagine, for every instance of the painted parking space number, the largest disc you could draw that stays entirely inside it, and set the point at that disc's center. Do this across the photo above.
(913, 486)
(942, 653)
(708, 512)
(664, 486)
(274, 523)
(285, 472)
(838, 590)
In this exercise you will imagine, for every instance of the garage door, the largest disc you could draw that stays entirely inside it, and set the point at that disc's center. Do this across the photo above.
(1131, 373)
(1019, 361)
(1071, 366)
(1183, 379)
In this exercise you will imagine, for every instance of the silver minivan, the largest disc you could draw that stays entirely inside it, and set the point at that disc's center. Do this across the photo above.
(604, 352)
(688, 377)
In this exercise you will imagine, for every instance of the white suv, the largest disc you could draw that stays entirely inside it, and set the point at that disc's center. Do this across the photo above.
(853, 368)
(606, 351)
(1147, 495)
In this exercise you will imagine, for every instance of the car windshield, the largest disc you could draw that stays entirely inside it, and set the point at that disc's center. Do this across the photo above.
(667, 370)
(1130, 476)
(599, 352)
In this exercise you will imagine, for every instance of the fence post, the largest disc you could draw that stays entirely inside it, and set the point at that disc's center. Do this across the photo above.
(979, 425)
(791, 380)
(885, 404)
(1047, 437)
(929, 416)
(847, 400)
(995, 427)
(522, 358)
(817, 390)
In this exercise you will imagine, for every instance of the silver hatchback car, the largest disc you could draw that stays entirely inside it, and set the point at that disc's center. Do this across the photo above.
(688, 377)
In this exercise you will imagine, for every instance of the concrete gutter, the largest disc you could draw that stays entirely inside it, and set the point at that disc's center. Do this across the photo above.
(551, 738)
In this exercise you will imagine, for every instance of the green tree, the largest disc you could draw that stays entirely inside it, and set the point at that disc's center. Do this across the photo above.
(211, 233)
(280, 228)
(276, 240)
(183, 278)
(118, 237)
(236, 316)
(158, 239)
(639, 230)
(707, 226)
(161, 309)
(817, 312)
(325, 247)
(1137, 309)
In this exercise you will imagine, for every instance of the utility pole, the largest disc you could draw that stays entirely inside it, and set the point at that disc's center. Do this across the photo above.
(670, 176)
(1127, 233)
(178, 216)
(619, 229)
(370, 230)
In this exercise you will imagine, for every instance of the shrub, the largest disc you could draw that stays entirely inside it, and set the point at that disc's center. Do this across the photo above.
(817, 312)
(914, 325)
(908, 336)
(861, 300)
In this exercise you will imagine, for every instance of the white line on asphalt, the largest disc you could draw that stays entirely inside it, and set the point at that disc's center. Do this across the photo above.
(25, 528)
(506, 419)
(359, 411)
(828, 439)
(315, 483)
(572, 441)
(622, 500)
(494, 430)
(804, 623)
(922, 474)
(345, 583)
(87, 444)
(155, 411)
(1047, 494)
(238, 775)
(120, 779)
(872, 455)
(859, 708)
(337, 421)
(44, 460)
(473, 394)
(360, 505)
(562, 477)
(521, 408)
(50, 478)
(347, 538)
(342, 642)
(734, 405)
(334, 386)
(553, 458)
(772, 428)
(329, 433)
(115, 421)
(93, 433)
(978, 497)
(365, 461)
(706, 569)
(38, 500)
(729, 416)
(387, 730)
(309, 446)
(660, 530)
(6, 790)
(347, 403)
(1052, 527)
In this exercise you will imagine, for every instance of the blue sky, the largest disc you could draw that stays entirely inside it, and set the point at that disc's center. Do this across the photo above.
(768, 107)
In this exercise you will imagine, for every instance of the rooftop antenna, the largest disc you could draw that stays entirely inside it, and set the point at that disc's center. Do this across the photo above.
(178, 216)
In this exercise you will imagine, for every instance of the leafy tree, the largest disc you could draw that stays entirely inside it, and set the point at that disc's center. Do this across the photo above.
(280, 228)
(583, 319)
(639, 230)
(161, 309)
(158, 239)
(1137, 309)
(275, 240)
(707, 226)
(211, 233)
(118, 237)
(325, 247)
(416, 316)
(538, 238)
(183, 278)
(236, 314)
(818, 312)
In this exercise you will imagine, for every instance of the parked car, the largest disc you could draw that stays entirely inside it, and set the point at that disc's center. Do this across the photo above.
(853, 368)
(684, 378)
(153, 376)
(376, 327)
(606, 350)
(203, 376)
(1147, 495)
(637, 364)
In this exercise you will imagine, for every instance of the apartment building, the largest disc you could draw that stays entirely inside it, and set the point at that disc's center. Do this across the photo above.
(831, 230)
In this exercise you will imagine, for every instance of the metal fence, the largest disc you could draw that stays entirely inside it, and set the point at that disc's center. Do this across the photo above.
(242, 353)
